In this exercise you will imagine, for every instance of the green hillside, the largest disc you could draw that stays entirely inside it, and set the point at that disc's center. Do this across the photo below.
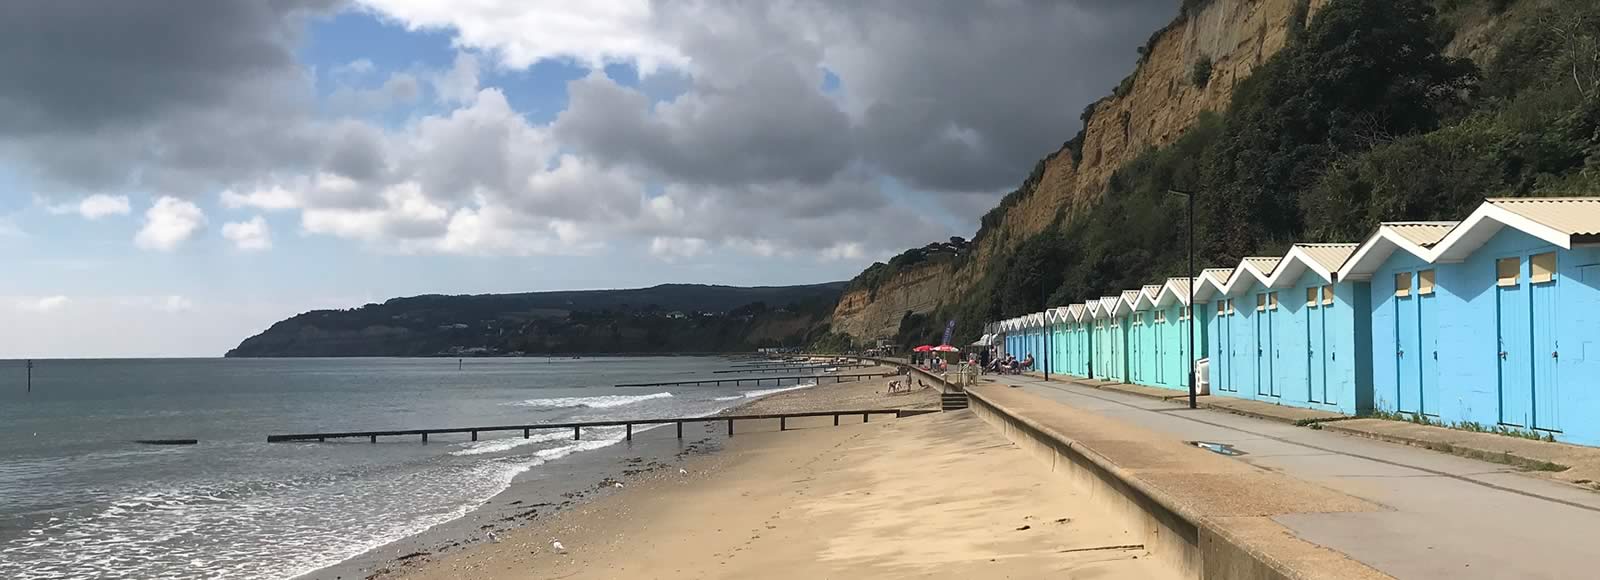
(1362, 118)
(660, 319)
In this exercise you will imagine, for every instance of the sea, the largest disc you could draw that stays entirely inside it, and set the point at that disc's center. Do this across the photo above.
(80, 498)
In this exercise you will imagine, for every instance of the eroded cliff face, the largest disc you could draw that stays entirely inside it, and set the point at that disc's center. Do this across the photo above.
(869, 315)
(1152, 109)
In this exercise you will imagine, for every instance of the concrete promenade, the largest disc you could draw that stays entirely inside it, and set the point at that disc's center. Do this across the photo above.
(1438, 516)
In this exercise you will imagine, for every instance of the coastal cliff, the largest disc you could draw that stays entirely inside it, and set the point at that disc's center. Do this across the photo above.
(1293, 121)
(1152, 107)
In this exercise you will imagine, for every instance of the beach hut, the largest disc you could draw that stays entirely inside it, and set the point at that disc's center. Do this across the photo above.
(1254, 312)
(1220, 347)
(1321, 331)
(1509, 302)
(1404, 310)
(1171, 329)
(1060, 339)
(1077, 341)
(1144, 348)
(1099, 341)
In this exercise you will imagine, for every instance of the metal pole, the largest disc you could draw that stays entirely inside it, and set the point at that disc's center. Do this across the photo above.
(1192, 275)
(30, 375)
(1046, 302)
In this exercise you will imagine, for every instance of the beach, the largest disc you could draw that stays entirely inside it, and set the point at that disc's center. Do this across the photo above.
(939, 495)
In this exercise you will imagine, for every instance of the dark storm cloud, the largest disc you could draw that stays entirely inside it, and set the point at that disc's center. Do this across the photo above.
(94, 89)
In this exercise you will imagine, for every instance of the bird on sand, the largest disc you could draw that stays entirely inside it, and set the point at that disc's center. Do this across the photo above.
(560, 549)
(683, 472)
(617, 485)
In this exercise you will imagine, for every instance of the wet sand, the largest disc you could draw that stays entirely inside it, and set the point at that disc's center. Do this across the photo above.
(560, 485)
(933, 496)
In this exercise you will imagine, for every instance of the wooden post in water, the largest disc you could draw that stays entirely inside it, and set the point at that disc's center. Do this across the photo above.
(374, 438)
(680, 429)
(524, 433)
(835, 420)
(424, 438)
(30, 375)
(474, 435)
(630, 431)
(783, 423)
(730, 427)
(575, 431)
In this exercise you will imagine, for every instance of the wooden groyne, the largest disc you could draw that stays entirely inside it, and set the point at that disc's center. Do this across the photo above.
(793, 369)
(758, 380)
(577, 428)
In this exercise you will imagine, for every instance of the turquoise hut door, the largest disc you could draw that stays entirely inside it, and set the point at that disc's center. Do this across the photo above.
(1408, 356)
(1428, 351)
(1223, 366)
(1515, 336)
(1136, 331)
(1316, 352)
(1161, 355)
(1265, 385)
(1546, 357)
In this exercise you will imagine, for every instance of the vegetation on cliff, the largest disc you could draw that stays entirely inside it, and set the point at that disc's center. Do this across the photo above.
(1361, 118)
(661, 319)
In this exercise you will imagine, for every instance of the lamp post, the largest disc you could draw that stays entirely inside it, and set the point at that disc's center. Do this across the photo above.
(1046, 302)
(1189, 197)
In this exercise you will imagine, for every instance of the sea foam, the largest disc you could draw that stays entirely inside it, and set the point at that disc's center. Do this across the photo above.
(597, 402)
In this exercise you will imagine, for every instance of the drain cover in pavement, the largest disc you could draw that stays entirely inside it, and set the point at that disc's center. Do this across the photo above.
(1217, 448)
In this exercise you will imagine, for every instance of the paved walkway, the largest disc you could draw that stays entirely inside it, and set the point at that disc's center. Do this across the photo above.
(1576, 464)
(1447, 516)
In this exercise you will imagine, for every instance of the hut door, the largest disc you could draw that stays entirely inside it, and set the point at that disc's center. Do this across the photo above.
(1161, 352)
(1544, 289)
(1428, 349)
(1515, 339)
(1316, 350)
(1265, 385)
(1136, 332)
(1408, 355)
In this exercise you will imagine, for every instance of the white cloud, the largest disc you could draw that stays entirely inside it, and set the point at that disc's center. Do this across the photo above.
(523, 32)
(674, 248)
(93, 207)
(844, 251)
(249, 235)
(42, 304)
(271, 198)
(168, 223)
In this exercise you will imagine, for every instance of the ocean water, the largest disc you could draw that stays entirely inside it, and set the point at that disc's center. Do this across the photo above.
(80, 499)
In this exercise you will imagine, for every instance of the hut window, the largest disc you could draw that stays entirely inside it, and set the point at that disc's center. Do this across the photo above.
(1186, 313)
(1222, 307)
(1509, 271)
(1311, 296)
(1272, 301)
(1231, 309)
(1327, 295)
(1402, 284)
(1261, 302)
(1544, 267)
(1425, 282)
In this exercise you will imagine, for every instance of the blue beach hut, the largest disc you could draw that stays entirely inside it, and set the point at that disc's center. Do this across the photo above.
(1209, 290)
(1404, 309)
(1144, 350)
(1321, 331)
(1253, 315)
(1509, 303)
(1171, 329)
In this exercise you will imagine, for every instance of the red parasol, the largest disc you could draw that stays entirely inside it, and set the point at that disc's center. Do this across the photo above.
(946, 348)
(923, 348)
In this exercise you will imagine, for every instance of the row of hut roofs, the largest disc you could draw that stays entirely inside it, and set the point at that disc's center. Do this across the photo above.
(1492, 320)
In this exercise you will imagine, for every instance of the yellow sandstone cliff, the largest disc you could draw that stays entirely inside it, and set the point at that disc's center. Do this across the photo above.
(1151, 109)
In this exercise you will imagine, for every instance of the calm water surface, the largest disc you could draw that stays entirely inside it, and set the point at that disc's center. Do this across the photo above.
(80, 499)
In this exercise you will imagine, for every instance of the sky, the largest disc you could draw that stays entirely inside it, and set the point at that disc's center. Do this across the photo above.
(177, 176)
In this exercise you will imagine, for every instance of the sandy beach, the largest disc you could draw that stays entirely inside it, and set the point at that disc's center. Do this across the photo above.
(939, 495)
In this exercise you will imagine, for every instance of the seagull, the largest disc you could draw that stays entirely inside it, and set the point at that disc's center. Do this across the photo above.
(493, 538)
(617, 485)
(683, 472)
(560, 549)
